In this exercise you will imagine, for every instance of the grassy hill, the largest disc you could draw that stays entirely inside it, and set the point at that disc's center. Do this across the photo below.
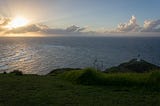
(90, 76)
(86, 87)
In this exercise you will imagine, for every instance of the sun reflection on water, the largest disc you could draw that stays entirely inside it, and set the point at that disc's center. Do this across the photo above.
(18, 57)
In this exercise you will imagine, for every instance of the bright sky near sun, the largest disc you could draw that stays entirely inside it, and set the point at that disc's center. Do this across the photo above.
(96, 15)
(17, 22)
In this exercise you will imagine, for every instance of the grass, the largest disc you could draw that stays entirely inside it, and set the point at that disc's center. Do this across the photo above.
(86, 87)
(92, 77)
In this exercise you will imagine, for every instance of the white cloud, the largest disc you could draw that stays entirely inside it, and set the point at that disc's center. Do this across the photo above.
(151, 26)
(130, 26)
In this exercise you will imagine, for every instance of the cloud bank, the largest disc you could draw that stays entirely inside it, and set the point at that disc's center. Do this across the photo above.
(131, 26)
(37, 28)
(68, 30)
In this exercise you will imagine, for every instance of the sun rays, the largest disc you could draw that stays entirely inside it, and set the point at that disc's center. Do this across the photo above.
(17, 22)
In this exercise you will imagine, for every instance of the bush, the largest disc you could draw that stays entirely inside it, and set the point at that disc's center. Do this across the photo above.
(16, 72)
(90, 77)
(4, 72)
(86, 76)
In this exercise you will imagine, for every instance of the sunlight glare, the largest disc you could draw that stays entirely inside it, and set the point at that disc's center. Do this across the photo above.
(18, 22)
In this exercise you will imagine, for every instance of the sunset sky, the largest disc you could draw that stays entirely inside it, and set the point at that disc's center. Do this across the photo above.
(79, 16)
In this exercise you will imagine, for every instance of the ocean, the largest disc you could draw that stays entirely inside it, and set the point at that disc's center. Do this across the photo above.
(40, 55)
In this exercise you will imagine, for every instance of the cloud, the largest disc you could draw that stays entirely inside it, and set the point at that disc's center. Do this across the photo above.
(3, 22)
(68, 30)
(25, 29)
(54, 31)
(133, 26)
(45, 29)
(151, 26)
(74, 28)
(130, 26)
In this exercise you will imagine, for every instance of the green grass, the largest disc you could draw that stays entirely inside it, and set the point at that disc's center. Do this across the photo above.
(92, 77)
(80, 88)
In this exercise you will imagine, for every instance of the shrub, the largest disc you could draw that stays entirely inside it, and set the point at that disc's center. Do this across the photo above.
(86, 76)
(90, 76)
(17, 72)
(4, 72)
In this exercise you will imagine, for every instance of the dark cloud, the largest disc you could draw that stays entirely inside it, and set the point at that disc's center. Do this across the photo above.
(3, 22)
(81, 29)
(74, 28)
(54, 31)
(25, 29)
(70, 29)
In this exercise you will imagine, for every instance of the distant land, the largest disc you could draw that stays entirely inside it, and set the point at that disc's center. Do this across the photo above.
(134, 65)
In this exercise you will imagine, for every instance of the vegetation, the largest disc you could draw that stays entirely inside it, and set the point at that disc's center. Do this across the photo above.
(28, 90)
(16, 72)
(92, 77)
(61, 70)
(80, 87)
(134, 65)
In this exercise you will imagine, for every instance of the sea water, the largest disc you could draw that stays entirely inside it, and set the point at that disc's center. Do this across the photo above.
(40, 55)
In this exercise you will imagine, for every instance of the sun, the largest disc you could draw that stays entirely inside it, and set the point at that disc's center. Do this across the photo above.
(18, 22)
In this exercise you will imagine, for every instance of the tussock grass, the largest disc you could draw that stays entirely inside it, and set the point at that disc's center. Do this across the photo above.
(86, 76)
(90, 76)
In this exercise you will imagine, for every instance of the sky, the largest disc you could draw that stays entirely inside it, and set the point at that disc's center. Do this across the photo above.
(85, 16)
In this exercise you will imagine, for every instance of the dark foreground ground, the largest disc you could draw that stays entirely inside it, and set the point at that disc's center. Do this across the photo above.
(34, 90)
